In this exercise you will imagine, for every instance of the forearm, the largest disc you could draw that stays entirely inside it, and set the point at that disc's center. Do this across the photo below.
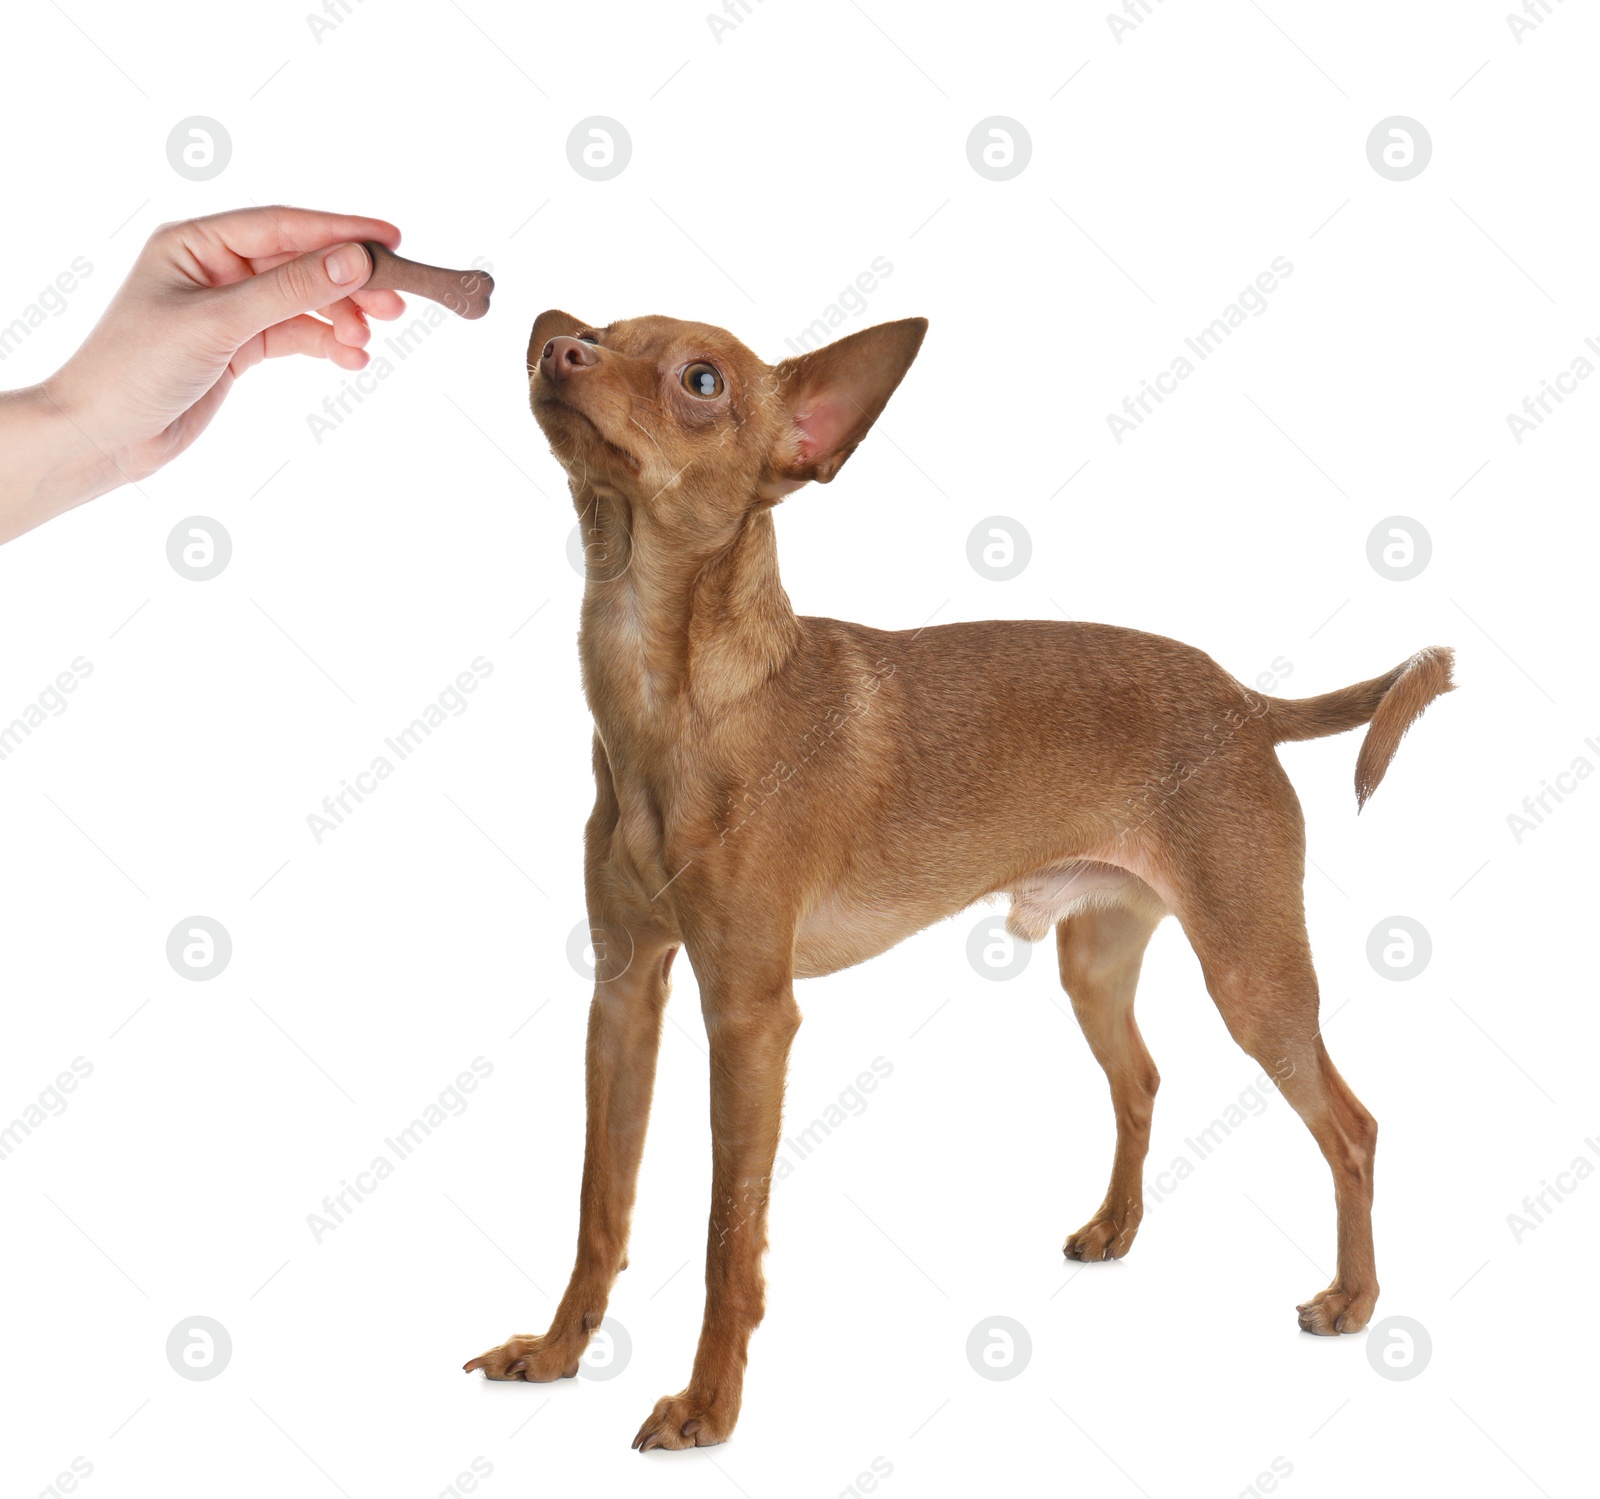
(47, 464)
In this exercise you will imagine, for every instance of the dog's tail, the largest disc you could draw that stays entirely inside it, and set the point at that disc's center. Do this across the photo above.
(1390, 703)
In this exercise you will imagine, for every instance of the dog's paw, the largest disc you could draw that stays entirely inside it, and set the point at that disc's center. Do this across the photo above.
(685, 1420)
(537, 1360)
(1336, 1310)
(1106, 1236)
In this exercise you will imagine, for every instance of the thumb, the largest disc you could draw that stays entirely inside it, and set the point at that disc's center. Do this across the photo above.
(300, 285)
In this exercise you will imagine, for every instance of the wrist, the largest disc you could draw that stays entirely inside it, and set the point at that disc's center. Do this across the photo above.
(50, 464)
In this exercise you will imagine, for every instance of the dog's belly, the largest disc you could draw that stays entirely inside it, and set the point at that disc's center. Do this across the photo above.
(1045, 896)
(845, 928)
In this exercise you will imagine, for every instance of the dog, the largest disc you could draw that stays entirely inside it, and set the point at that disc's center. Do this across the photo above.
(785, 797)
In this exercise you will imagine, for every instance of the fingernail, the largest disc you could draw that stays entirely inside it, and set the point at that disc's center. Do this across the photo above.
(346, 264)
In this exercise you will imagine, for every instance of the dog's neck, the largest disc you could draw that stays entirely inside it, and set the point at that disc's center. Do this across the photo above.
(671, 632)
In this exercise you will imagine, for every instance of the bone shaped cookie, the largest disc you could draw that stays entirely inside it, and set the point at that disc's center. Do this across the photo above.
(465, 293)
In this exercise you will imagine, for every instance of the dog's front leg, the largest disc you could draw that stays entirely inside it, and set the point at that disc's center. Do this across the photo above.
(751, 1018)
(624, 1040)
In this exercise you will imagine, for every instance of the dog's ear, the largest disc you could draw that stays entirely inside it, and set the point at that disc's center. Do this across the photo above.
(834, 394)
(549, 325)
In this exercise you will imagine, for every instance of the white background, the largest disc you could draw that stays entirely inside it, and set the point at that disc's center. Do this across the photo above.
(768, 169)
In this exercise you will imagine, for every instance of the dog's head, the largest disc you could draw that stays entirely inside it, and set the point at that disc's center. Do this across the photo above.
(681, 422)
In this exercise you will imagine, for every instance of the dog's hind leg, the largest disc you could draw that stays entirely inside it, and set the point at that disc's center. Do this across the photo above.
(1101, 950)
(1241, 903)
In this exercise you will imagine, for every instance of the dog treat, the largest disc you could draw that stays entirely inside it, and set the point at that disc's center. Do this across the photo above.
(465, 293)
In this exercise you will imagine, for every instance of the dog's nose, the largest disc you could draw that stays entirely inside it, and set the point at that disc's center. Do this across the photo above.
(563, 357)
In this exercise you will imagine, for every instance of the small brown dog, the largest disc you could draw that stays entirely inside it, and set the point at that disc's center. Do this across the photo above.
(786, 796)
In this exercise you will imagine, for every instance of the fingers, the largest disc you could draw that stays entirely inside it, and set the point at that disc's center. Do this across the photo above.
(297, 335)
(349, 315)
(387, 305)
(264, 266)
(373, 303)
(384, 304)
(230, 247)
(349, 326)
(296, 286)
(276, 230)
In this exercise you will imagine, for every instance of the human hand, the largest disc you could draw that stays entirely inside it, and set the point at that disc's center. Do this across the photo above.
(206, 299)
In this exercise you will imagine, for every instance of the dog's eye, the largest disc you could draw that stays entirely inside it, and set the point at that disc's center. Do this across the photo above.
(588, 338)
(702, 380)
